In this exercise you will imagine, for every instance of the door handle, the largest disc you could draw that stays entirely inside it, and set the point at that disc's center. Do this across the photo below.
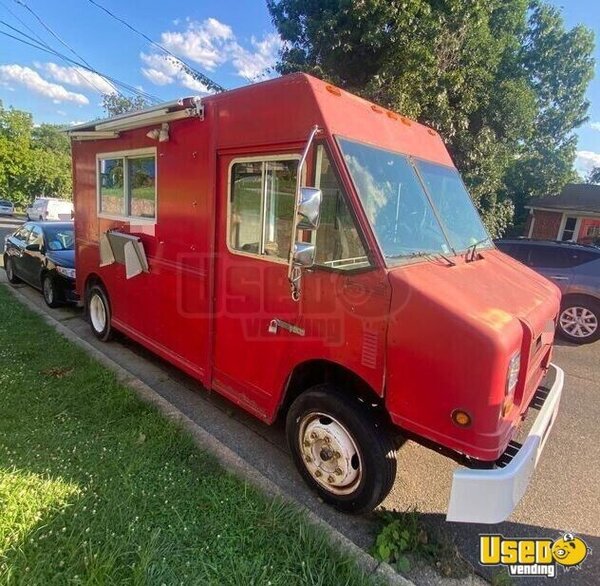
(559, 278)
(275, 324)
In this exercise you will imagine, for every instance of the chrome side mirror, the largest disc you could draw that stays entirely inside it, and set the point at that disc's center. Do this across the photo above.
(304, 254)
(307, 212)
(309, 208)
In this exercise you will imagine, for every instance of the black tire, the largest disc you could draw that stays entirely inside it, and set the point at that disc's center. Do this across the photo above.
(585, 309)
(98, 313)
(50, 291)
(320, 413)
(9, 267)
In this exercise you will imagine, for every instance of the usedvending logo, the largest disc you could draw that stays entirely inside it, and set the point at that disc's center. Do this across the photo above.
(532, 557)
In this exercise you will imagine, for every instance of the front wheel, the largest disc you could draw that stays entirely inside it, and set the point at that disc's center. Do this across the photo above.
(341, 449)
(50, 291)
(579, 320)
(9, 267)
(98, 311)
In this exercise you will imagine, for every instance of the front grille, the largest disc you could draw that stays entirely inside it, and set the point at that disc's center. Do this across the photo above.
(511, 451)
(541, 394)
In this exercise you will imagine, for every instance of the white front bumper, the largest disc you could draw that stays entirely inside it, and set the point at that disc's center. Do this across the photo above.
(490, 496)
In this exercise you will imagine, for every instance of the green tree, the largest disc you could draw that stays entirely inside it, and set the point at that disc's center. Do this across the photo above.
(501, 80)
(115, 104)
(33, 160)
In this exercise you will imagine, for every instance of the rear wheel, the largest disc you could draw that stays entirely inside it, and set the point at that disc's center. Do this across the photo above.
(341, 449)
(98, 311)
(579, 319)
(50, 291)
(9, 267)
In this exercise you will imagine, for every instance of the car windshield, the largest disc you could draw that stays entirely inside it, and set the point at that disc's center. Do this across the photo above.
(5, 203)
(60, 238)
(399, 202)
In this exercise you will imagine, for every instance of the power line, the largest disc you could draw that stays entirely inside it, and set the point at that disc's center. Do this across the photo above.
(209, 83)
(54, 34)
(35, 44)
(77, 72)
(47, 49)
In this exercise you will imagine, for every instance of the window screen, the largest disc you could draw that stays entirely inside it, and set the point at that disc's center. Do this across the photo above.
(127, 186)
(112, 185)
(142, 187)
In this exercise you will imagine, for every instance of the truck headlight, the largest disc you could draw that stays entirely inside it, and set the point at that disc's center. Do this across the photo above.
(512, 376)
(70, 273)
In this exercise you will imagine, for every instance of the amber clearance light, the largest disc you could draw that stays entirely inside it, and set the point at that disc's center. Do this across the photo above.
(461, 418)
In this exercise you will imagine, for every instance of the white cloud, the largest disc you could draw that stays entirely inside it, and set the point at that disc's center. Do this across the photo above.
(161, 70)
(203, 42)
(586, 161)
(257, 64)
(595, 126)
(34, 82)
(79, 77)
(211, 44)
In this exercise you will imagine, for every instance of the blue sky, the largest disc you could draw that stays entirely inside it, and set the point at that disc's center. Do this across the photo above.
(232, 41)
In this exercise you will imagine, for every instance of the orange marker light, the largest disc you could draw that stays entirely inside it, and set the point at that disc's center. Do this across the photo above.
(461, 418)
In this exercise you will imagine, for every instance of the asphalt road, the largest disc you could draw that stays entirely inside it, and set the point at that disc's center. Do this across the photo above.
(564, 495)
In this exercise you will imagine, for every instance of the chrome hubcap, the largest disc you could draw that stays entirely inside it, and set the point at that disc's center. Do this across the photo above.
(578, 322)
(97, 313)
(330, 453)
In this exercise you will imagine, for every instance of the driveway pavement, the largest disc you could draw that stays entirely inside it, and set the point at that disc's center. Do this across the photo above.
(564, 494)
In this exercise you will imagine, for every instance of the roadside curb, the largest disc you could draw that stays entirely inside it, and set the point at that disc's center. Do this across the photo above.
(226, 457)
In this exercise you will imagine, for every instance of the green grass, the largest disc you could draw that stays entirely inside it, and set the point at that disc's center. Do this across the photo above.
(97, 488)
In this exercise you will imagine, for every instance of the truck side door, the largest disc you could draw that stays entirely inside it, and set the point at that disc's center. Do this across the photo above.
(256, 205)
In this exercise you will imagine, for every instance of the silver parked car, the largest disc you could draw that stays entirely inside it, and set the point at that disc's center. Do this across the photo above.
(575, 268)
(7, 207)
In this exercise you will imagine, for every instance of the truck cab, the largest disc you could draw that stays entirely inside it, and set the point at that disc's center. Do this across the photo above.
(316, 257)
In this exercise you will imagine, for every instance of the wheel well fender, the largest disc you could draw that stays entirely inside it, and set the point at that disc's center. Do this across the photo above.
(313, 372)
(91, 280)
(581, 296)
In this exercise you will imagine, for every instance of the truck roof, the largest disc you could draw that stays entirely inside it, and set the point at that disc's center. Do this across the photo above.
(280, 111)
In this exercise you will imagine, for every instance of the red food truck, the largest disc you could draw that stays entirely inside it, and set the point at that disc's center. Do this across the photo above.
(313, 256)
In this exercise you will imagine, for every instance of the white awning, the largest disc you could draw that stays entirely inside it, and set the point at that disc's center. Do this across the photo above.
(111, 127)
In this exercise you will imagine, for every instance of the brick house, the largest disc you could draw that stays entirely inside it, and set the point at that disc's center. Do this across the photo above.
(572, 215)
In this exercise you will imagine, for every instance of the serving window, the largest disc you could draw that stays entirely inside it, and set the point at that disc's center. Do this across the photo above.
(126, 183)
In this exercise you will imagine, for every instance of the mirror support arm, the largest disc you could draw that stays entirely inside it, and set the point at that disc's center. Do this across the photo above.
(294, 272)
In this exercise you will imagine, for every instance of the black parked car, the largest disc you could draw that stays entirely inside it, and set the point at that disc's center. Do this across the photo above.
(43, 255)
(575, 268)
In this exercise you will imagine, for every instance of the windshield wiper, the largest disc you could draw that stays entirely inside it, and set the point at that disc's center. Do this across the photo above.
(423, 254)
(470, 254)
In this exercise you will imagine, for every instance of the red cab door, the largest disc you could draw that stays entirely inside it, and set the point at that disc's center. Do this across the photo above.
(251, 357)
